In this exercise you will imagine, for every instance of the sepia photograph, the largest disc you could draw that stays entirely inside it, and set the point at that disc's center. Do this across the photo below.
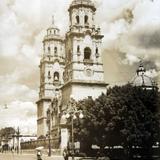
(79, 79)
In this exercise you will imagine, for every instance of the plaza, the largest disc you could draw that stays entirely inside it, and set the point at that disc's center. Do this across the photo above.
(11, 156)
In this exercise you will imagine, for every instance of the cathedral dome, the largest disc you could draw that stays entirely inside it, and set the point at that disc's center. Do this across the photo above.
(141, 79)
(82, 3)
(53, 32)
(53, 27)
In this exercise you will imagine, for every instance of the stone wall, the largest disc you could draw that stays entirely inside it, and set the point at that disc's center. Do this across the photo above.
(41, 142)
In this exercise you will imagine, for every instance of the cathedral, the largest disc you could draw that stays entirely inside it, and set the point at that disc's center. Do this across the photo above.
(71, 66)
(71, 69)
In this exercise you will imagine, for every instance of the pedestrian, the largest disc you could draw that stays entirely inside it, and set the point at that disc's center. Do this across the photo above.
(65, 154)
(39, 155)
(12, 150)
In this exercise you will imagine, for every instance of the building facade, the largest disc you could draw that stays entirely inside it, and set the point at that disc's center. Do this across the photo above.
(69, 66)
(51, 74)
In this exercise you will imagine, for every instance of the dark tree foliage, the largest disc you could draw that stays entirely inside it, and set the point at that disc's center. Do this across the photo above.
(7, 132)
(126, 116)
(84, 128)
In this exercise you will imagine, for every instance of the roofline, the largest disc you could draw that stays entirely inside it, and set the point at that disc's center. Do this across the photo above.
(82, 5)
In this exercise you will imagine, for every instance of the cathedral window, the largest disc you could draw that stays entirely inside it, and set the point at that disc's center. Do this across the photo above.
(55, 50)
(78, 49)
(56, 76)
(96, 50)
(97, 54)
(77, 19)
(85, 19)
(87, 53)
(49, 49)
(49, 74)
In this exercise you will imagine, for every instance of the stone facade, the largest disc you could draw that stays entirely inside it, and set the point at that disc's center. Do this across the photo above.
(69, 66)
(83, 74)
(51, 75)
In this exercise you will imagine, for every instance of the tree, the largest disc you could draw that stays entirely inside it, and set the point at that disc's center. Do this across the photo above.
(84, 127)
(7, 132)
(125, 116)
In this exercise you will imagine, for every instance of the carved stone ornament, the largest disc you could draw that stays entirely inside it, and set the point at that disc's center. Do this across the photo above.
(88, 72)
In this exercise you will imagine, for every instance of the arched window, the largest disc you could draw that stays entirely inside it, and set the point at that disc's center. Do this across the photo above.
(54, 31)
(97, 54)
(77, 19)
(96, 50)
(49, 49)
(55, 50)
(56, 76)
(85, 19)
(87, 53)
(49, 74)
(78, 49)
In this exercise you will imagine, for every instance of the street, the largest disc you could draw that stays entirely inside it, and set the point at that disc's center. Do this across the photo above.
(9, 156)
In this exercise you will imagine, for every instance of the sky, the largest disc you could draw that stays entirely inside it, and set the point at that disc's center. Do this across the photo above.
(131, 31)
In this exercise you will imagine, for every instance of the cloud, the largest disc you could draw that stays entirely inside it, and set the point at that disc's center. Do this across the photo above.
(23, 27)
(131, 34)
(20, 114)
(17, 86)
(149, 39)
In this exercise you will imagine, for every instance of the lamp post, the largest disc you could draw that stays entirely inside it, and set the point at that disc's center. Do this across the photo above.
(73, 113)
(18, 145)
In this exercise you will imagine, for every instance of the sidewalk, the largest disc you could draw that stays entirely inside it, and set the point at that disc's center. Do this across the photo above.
(53, 157)
(58, 158)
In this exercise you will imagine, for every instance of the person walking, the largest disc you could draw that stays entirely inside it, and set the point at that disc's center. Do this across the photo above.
(65, 154)
(39, 155)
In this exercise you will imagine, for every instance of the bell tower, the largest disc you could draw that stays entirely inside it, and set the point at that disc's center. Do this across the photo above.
(51, 74)
(84, 74)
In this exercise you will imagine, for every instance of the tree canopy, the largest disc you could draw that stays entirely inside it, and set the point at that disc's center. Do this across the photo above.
(7, 132)
(126, 116)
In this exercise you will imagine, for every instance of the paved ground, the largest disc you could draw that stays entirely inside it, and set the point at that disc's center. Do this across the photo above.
(9, 156)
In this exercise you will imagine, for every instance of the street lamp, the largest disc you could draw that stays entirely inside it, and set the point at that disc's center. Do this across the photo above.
(73, 113)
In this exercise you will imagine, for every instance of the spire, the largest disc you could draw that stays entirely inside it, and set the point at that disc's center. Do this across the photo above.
(53, 23)
(53, 29)
(141, 70)
(53, 20)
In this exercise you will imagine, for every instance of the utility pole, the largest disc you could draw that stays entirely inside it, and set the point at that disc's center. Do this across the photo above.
(18, 135)
(13, 142)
